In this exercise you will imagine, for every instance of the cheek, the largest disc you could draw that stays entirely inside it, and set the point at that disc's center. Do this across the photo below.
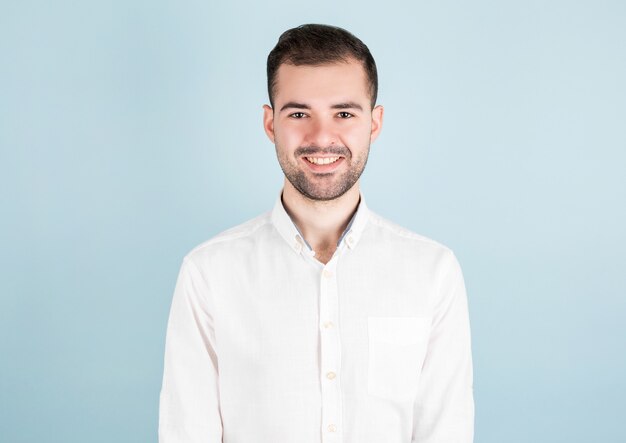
(288, 137)
(356, 136)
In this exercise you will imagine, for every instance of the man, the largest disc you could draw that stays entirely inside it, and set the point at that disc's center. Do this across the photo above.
(319, 321)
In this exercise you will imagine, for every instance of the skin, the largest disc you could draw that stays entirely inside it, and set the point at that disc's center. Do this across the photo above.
(322, 111)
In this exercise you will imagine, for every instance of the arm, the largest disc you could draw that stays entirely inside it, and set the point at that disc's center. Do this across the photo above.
(189, 402)
(444, 406)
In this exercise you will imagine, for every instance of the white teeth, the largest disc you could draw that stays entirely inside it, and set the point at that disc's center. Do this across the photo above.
(322, 161)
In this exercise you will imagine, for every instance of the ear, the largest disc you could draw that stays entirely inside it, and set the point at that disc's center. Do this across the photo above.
(268, 122)
(377, 122)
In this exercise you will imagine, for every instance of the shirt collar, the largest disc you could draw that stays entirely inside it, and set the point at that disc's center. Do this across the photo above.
(290, 233)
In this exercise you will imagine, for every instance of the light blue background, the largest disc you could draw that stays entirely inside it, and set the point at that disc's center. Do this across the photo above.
(130, 131)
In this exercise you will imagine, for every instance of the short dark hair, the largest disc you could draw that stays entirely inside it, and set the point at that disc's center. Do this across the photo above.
(316, 45)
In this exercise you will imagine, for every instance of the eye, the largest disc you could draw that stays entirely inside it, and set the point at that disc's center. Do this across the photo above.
(344, 114)
(298, 115)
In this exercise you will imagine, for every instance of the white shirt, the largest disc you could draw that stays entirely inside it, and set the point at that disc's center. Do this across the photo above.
(265, 344)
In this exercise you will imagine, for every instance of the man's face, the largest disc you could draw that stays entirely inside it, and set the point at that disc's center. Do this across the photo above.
(322, 125)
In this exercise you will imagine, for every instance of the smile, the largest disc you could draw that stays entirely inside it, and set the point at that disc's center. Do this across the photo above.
(322, 160)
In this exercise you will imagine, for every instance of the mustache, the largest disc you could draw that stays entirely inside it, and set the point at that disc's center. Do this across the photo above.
(312, 150)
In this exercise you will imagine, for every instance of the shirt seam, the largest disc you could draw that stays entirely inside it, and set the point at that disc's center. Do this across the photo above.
(228, 236)
(443, 271)
(404, 232)
(188, 260)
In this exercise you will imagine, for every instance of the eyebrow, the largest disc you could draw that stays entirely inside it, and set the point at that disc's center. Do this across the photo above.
(345, 105)
(294, 105)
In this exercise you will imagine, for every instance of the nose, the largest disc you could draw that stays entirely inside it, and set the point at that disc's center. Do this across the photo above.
(321, 133)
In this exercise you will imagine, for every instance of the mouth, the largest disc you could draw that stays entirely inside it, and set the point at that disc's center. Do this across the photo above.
(322, 160)
(323, 164)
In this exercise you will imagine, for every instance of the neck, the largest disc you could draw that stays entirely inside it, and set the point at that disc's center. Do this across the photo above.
(321, 222)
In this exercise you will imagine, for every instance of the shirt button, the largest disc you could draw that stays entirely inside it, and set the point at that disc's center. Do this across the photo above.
(328, 324)
(350, 241)
(330, 375)
(297, 244)
(332, 428)
(326, 273)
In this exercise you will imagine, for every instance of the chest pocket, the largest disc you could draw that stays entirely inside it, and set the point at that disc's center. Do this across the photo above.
(397, 346)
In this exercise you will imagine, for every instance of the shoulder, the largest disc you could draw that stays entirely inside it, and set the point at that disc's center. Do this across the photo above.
(392, 241)
(232, 240)
(392, 231)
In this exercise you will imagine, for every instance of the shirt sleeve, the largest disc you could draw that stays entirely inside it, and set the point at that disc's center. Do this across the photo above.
(189, 410)
(444, 405)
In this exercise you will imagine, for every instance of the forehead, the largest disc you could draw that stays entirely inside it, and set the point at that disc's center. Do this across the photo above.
(330, 82)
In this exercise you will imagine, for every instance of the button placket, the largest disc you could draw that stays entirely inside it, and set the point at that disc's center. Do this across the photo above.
(330, 355)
